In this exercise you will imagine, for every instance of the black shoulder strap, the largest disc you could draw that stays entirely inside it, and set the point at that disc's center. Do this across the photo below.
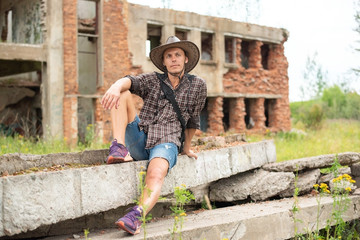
(169, 94)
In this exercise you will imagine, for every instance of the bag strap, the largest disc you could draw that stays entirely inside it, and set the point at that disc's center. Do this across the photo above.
(169, 94)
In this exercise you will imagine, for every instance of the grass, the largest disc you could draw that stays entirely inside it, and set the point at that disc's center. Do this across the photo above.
(19, 144)
(336, 136)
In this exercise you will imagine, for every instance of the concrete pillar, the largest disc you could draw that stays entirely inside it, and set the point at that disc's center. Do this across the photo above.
(53, 72)
(216, 115)
(237, 115)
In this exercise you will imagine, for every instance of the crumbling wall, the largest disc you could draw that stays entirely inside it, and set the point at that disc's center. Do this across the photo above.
(260, 83)
(25, 22)
(115, 60)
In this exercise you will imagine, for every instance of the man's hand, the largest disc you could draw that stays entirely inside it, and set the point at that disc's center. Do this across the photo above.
(112, 95)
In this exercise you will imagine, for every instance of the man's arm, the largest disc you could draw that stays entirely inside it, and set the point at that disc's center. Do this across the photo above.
(189, 133)
(112, 95)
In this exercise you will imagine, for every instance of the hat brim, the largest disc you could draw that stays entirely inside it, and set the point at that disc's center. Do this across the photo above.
(190, 49)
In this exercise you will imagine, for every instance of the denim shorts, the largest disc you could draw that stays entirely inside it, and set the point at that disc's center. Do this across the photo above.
(135, 141)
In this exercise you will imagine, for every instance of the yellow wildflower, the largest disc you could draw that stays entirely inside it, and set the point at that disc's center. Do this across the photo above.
(183, 185)
(346, 176)
(316, 186)
(182, 214)
(348, 189)
(176, 218)
(352, 181)
(142, 173)
(323, 186)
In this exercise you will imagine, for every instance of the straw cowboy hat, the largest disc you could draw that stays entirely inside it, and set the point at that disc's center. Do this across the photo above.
(190, 49)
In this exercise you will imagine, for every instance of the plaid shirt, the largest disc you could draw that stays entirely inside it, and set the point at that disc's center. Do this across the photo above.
(157, 117)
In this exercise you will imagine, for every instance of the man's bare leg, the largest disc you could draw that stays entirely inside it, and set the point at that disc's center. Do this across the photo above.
(120, 117)
(155, 175)
(123, 115)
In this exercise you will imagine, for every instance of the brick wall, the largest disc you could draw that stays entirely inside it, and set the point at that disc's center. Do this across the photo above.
(116, 58)
(70, 71)
(257, 80)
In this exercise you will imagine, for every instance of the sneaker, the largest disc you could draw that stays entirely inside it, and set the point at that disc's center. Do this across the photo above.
(131, 222)
(118, 153)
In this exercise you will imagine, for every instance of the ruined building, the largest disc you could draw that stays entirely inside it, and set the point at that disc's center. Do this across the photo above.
(57, 58)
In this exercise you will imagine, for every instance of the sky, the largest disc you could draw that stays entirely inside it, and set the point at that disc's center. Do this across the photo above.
(324, 27)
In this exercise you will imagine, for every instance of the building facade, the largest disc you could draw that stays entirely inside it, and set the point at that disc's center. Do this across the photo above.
(57, 58)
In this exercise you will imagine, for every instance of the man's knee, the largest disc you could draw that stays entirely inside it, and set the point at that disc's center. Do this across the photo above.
(158, 169)
(125, 95)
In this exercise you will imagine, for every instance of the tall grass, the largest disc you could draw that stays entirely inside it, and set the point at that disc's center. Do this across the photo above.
(19, 144)
(336, 136)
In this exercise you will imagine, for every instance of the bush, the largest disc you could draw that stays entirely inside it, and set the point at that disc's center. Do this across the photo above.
(352, 108)
(310, 113)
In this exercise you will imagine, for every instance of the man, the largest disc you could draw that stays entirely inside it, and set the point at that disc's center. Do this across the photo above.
(155, 134)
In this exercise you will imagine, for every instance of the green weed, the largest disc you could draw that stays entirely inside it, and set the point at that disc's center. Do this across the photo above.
(182, 197)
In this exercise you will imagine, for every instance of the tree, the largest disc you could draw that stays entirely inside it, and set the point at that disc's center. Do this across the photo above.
(357, 29)
(315, 79)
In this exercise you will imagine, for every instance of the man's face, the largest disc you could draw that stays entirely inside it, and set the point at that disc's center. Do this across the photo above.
(174, 60)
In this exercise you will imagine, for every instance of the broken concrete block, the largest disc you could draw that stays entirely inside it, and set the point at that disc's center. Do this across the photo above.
(34, 200)
(94, 156)
(234, 188)
(11, 95)
(1, 207)
(322, 161)
(104, 187)
(270, 184)
(210, 166)
(355, 170)
(16, 162)
(259, 185)
(251, 156)
(200, 191)
(305, 183)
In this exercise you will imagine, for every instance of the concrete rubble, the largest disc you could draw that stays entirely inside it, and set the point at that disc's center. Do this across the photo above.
(33, 200)
(51, 201)
(264, 220)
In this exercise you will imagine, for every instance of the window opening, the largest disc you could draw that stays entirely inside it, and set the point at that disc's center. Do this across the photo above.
(181, 34)
(206, 46)
(245, 54)
(153, 37)
(88, 64)
(265, 55)
(269, 107)
(6, 32)
(249, 121)
(226, 111)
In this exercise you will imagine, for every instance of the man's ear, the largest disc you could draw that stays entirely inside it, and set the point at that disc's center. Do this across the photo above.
(186, 59)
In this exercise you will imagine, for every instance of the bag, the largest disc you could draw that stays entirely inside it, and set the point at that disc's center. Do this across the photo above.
(169, 94)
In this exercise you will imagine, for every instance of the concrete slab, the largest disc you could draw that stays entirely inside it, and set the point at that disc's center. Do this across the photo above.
(322, 161)
(33, 200)
(270, 220)
(1, 207)
(39, 199)
(105, 187)
(220, 163)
